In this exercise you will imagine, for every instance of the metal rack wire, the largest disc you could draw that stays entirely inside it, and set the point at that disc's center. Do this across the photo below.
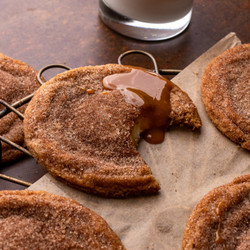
(13, 107)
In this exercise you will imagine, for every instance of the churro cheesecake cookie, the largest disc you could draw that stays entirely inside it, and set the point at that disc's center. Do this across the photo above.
(39, 220)
(221, 220)
(17, 80)
(84, 125)
(226, 93)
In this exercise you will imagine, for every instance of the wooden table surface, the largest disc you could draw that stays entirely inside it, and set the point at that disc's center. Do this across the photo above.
(70, 32)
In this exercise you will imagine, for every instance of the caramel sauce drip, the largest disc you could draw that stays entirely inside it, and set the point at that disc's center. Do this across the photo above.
(218, 238)
(151, 93)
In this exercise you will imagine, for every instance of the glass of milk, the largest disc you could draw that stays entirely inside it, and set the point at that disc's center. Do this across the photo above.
(148, 20)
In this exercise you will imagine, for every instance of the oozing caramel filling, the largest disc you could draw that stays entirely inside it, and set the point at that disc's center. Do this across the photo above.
(218, 238)
(151, 93)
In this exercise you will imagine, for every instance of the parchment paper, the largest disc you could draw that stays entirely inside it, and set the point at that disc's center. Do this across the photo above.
(187, 165)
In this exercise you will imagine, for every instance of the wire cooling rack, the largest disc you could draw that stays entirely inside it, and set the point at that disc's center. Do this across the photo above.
(13, 107)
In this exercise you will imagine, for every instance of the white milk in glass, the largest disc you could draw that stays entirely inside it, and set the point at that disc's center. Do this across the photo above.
(157, 16)
(152, 11)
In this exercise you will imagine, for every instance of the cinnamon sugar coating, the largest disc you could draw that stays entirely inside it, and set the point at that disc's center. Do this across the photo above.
(226, 93)
(17, 80)
(221, 220)
(85, 139)
(183, 111)
(39, 220)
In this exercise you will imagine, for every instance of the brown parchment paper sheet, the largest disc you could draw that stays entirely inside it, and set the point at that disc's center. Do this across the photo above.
(188, 164)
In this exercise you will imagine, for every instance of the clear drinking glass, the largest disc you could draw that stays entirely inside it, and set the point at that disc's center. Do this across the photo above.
(149, 20)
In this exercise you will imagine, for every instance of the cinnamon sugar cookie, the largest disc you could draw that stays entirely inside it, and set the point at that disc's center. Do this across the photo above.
(39, 220)
(86, 135)
(226, 93)
(17, 80)
(221, 220)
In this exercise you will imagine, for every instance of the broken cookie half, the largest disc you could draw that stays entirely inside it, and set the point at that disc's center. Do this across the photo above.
(83, 125)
